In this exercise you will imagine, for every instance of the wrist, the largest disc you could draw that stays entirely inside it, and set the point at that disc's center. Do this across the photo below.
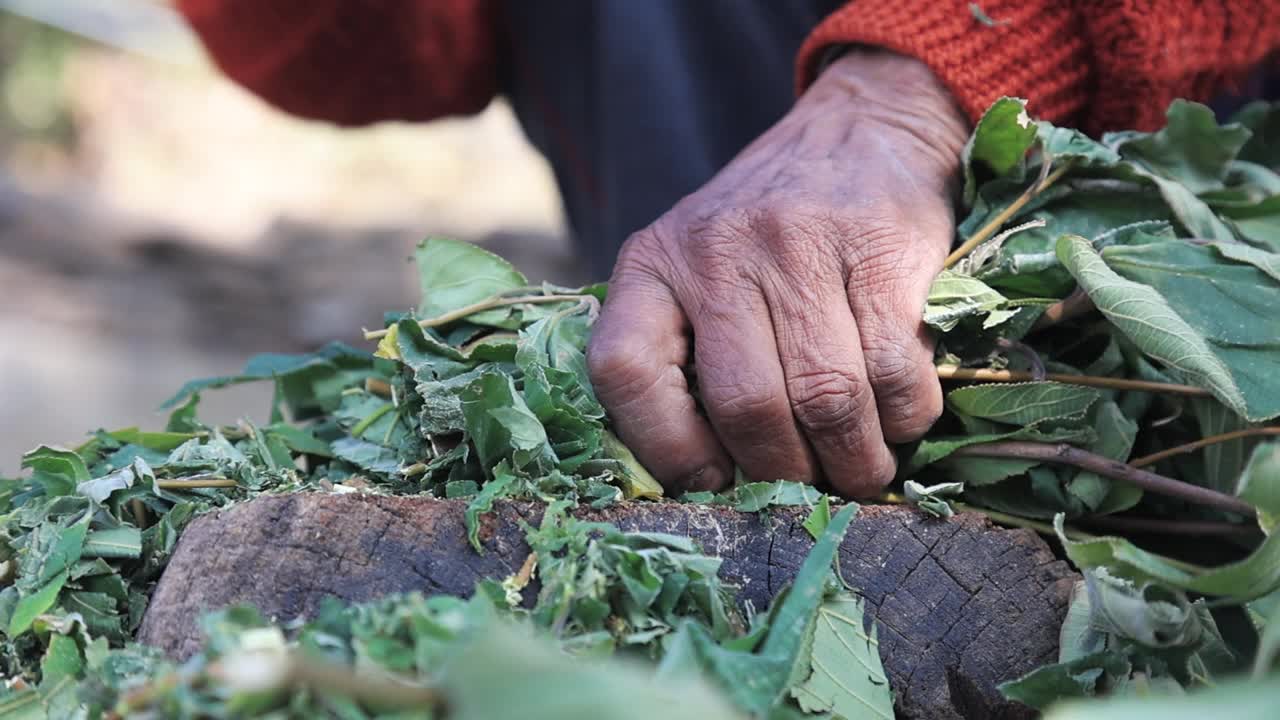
(893, 92)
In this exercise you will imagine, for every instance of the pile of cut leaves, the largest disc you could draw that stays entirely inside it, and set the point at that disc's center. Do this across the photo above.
(1109, 336)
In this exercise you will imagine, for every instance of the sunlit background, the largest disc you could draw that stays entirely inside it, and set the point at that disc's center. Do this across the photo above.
(157, 223)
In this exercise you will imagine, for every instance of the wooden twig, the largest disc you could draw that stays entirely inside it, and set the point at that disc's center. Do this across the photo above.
(1166, 526)
(1064, 454)
(992, 227)
(1074, 305)
(196, 483)
(1156, 457)
(951, 372)
(490, 303)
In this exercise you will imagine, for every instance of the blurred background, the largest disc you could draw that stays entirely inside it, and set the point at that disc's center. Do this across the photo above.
(157, 223)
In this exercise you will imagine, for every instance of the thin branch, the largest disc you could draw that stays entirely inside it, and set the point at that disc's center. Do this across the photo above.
(951, 372)
(992, 227)
(1076, 304)
(1064, 454)
(196, 483)
(1203, 443)
(1165, 526)
(1017, 521)
(996, 516)
(489, 303)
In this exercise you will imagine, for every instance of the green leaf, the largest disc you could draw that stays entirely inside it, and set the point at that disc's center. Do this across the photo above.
(1116, 434)
(848, 679)
(1192, 149)
(1078, 678)
(756, 496)
(954, 297)
(1149, 322)
(183, 418)
(933, 499)
(819, 518)
(933, 450)
(159, 441)
(1023, 403)
(1269, 642)
(61, 659)
(300, 440)
(99, 489)
(981, 471)
(121, 542)
(1267, 262)
(57, 469)
(1263, 120)
(786, 629)
(546, 684)
(999, 142)
(635, 480)
(36, 604)
(1241, 581)
(366, 455)
(1238, 700)
(501, 426)
(454, 274)
(309, 382)
(503, 484)
(1260, 484)
(1230, 305)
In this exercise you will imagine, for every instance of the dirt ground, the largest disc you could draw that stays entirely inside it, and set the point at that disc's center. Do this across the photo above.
(189, 226)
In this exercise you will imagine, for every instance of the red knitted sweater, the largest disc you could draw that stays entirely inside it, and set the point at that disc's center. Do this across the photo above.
(1098, 64)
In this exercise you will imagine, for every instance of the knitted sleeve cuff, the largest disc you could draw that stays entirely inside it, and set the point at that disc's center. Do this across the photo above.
(1034, 49)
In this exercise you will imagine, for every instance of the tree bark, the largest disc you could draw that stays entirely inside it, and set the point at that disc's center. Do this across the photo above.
(961, 605)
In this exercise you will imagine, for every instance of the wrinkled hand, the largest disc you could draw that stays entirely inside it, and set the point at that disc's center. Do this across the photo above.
(794, 281)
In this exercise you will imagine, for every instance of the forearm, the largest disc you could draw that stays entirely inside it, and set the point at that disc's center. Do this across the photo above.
(355, 62)
(1100, 65)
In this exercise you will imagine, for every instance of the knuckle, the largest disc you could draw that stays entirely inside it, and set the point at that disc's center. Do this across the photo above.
(619, 367)
(828, 402)
(746, 410)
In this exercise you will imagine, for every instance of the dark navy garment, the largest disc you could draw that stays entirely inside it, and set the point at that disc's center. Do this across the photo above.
(637, 103)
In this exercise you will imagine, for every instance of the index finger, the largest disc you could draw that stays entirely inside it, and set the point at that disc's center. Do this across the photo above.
(636, 357)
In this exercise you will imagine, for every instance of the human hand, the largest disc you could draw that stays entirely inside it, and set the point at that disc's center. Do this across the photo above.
(794, 281)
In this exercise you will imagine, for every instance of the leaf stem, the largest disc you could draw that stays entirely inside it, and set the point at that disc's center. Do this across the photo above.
(996, 516)
(1003, 217)
(951, 372)
(1064, 454)
(1018, 521)
(197, 483)
(488, 303)
(1203, 443)
(370, 419)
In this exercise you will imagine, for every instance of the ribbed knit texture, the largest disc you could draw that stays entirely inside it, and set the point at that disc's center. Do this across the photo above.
(355, 62)
(1097, 64)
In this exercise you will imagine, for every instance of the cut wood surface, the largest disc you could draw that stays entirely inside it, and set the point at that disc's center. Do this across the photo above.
(961, 605)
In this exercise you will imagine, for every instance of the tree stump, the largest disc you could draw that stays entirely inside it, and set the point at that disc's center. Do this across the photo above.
(961, 605)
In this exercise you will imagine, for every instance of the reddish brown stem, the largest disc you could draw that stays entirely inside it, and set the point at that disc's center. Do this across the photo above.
(1163, 526)
(1064, 454)
(1156, 457)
